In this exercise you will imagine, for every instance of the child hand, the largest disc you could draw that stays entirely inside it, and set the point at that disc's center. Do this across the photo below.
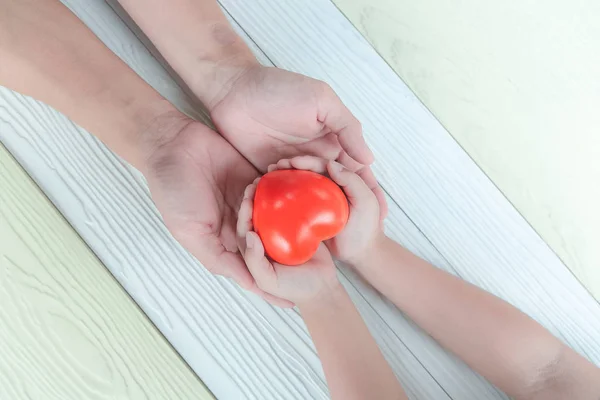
(299, 284)
(364, 226)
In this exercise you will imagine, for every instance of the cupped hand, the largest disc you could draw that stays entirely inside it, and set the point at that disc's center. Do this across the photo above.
(298, 284)
(269, 114)
(197, 181)
(364, 227)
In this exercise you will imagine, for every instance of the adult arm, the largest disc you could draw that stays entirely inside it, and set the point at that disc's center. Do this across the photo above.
(49, 54)
(494, 338)
(198, 42)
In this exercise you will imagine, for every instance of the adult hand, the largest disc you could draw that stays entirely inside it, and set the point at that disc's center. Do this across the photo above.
(197, 181)
(269, 114)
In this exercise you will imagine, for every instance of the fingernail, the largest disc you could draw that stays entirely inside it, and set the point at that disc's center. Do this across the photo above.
(336, 167)
(249, 241)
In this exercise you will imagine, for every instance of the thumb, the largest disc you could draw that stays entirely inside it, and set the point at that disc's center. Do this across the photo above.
(354, 187)
(338, 118)
(260, 268)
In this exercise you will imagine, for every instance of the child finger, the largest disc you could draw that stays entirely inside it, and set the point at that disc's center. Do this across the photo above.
(260, 268)
(244, 223)
(368, 177)
(355, 188)
(310, 163)
(349, 162)
(250, 190)
(284, 164)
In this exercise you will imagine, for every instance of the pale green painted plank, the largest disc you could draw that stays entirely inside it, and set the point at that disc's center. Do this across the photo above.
(67, 328)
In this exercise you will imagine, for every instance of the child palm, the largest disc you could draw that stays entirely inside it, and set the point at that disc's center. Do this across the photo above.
(364, 224)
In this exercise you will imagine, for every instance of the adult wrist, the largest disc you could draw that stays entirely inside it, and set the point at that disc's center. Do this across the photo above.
(158, 128)
(217, 69)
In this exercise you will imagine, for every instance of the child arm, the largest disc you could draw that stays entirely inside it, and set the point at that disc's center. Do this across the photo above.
(353, 364)
(498, 341)
(494, 338)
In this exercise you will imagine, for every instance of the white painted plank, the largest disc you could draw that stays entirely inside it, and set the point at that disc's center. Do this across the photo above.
(439, 187)
(109, 205)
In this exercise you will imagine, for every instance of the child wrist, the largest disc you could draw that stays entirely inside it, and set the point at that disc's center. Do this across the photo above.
(366, 258)
(325, 298)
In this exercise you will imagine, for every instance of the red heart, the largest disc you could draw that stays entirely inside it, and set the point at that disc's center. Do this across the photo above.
(294, 211)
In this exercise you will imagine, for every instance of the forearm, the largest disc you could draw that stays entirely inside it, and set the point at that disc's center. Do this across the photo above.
(197, 40)
(353, 364)
(48, 54)
(495, 339)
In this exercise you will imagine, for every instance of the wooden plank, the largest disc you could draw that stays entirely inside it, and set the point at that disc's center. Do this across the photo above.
(517, 85)
(67, 329)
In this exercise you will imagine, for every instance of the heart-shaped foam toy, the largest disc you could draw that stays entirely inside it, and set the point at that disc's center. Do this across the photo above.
(294, 211)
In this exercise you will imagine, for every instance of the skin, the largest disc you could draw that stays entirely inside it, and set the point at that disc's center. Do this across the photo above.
(48, 54)
(354, 366)
(241, 95)
(495, 339)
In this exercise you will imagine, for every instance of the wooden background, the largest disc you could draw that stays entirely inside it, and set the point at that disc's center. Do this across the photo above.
(442, 207)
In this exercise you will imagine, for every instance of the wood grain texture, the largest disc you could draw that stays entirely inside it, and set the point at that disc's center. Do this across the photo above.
(240, 346)
(67, 329)
(517, 84)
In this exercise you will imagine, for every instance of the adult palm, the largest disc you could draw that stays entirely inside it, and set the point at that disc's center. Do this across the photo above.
(197, 181)
(269, 114)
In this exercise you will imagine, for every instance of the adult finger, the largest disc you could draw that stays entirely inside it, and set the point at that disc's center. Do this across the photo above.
(338, 118)
(327, 146)
(260, 268)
